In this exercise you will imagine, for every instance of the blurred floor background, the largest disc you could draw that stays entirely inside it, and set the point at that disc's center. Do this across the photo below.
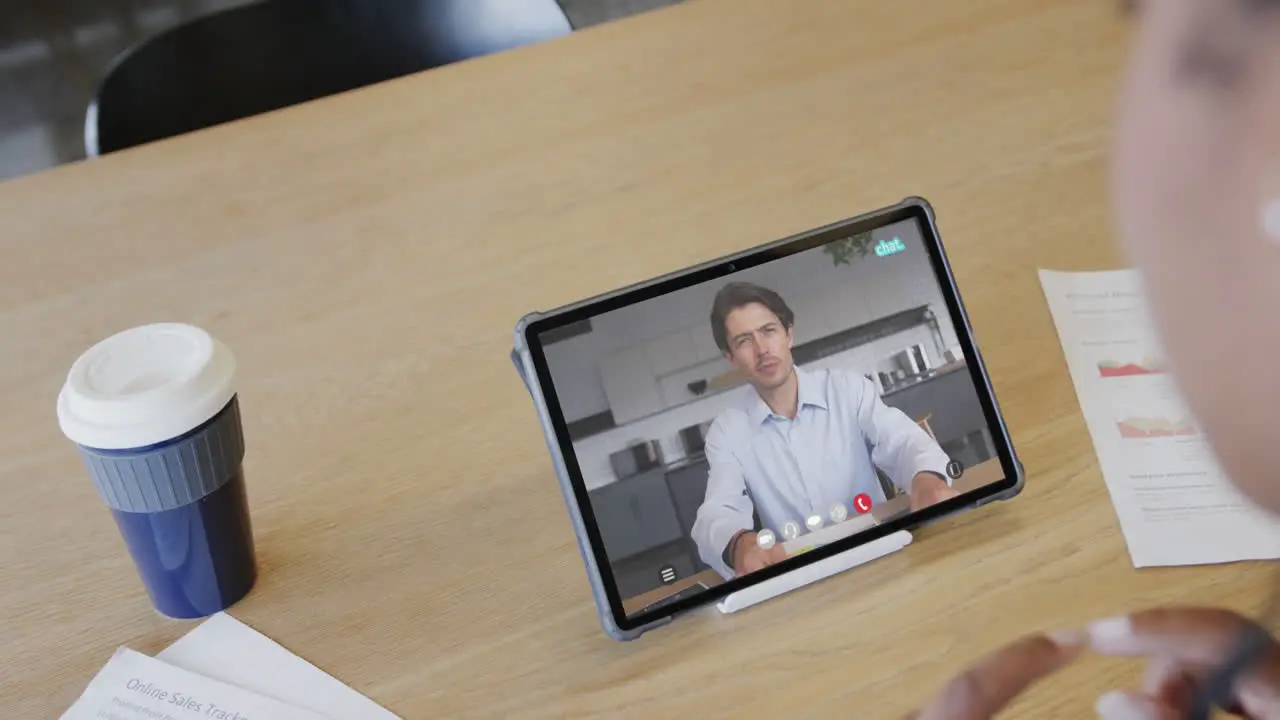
(53, 53)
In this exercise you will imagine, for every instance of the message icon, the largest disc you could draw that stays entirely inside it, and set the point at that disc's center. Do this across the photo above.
(813, 522)
(862, 503)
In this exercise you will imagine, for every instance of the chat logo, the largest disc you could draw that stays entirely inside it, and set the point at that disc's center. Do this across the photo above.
(885, 248)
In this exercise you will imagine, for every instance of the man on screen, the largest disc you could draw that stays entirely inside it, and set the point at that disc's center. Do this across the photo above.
(803, 442)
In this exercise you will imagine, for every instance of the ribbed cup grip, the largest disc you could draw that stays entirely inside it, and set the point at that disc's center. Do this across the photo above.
(174, 474)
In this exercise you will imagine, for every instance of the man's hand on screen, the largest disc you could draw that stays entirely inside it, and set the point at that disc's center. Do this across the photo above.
(749, 557)
(929, 489)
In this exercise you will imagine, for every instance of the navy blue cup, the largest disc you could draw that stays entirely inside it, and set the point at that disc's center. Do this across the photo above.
(157, 424)
(189, 535)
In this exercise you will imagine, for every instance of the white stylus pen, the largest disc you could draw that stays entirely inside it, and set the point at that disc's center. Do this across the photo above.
(800, 577)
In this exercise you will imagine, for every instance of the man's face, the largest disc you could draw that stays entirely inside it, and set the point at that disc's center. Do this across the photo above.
(759, 345)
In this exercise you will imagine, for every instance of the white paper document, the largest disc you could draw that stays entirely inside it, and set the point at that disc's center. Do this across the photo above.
(132, 686)
(1174, 503)
(223, 648)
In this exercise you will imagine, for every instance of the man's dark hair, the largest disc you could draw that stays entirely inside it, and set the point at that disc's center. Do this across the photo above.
(736, 295)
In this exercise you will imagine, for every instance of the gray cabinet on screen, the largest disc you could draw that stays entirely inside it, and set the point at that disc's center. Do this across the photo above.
(951, 403)
(635, 514)
(688, 489)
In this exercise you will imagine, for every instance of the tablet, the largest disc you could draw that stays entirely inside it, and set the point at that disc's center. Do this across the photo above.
(733, 421)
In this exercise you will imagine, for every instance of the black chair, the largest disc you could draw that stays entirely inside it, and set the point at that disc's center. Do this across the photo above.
(275, 53)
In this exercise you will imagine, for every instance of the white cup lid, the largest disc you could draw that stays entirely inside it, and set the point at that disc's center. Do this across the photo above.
(145, 385)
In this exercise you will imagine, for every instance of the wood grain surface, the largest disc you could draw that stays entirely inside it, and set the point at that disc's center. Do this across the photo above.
(367, 256)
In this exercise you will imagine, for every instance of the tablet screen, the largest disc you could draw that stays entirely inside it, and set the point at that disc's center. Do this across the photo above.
(725, 426)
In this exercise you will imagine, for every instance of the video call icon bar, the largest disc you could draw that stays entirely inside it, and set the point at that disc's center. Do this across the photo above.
(791, 530)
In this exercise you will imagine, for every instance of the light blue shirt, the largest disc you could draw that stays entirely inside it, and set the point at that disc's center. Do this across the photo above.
(788, 469)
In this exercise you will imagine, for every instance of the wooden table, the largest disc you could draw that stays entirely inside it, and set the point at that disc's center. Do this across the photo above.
(367, 256)
(980, 475)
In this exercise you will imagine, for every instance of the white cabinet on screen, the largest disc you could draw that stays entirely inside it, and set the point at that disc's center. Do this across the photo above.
(704, 343)
(881, 281)
(630, 384)
(849, 307)
(920, 288)
(671, 352)
(812, 317)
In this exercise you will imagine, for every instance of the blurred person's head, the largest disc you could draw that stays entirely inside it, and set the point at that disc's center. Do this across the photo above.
(1197, 194)
(752, 327)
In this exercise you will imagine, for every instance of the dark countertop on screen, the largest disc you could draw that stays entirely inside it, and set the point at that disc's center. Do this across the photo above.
(684, 462)
(942, 371)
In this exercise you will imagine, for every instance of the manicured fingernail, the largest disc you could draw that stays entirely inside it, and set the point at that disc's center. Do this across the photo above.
(1066, 637)
(1111, 633)
(1117, 705)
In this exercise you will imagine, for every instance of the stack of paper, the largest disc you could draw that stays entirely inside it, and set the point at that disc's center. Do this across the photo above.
(1175, 505)
(222, 670)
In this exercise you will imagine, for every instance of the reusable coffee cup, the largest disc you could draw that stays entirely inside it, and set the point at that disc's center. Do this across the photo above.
(154, 413)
